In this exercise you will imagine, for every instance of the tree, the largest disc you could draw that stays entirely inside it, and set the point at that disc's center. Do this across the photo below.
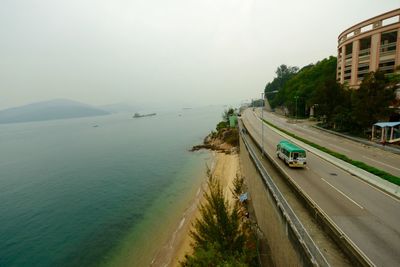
(302, 84)
(371, 101)
(227, 113)
(221, 237)
(283, 74)
(343, 109)
(331, 98)
(237, 186)
(219, 225)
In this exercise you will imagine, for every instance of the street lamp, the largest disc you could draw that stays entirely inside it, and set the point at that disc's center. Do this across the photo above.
(262, 124)
(296, 97)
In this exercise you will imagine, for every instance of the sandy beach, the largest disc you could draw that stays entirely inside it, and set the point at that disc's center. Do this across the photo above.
(224, 167)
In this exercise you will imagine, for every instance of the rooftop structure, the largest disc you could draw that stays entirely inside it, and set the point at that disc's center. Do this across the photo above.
(368, 46)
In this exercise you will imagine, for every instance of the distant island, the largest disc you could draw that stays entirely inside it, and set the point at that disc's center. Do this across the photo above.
(138, 115)
(49, 110)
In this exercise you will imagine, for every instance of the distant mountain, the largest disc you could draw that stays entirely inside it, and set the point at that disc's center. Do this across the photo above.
(49, 110)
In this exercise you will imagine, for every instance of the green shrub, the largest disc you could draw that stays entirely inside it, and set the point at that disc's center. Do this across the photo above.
(220, 236)
(221, 125)
(231, 137)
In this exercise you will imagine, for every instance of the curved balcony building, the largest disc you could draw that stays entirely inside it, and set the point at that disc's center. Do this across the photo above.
(368, 46)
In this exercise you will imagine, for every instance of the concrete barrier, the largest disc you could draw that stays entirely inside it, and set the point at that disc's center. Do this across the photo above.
(368, 177)
(355, 254)
(303, 245)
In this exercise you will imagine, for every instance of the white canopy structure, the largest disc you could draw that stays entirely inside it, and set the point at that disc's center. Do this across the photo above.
(386, 132)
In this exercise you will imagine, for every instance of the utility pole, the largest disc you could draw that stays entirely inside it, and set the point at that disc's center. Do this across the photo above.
(262, 124)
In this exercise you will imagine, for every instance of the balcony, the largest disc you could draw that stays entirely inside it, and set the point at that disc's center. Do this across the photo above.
(388, 49)
(348, 56)
(363, 71)
(385, 68)
(364, 52)
(364, 59)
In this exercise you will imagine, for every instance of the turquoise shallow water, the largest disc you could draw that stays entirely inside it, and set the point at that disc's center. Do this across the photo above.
(71, 193)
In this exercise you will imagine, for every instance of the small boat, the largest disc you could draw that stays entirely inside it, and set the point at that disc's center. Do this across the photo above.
(138, 115)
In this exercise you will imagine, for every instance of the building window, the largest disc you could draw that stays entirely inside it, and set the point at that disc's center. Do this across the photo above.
(365, 47)
(388, 42)
(363, 70)
(349, 51)
(386, 66)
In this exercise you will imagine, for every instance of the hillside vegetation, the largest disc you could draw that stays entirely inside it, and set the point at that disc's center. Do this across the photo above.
(339, 107)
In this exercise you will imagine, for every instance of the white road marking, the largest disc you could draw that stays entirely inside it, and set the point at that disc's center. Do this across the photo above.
(379, 190)
(373, 187)
(341, 148)
(360, 180)
(361, 207)
(390, 166)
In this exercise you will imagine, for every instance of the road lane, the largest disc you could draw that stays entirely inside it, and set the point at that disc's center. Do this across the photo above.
(373, 156)
(374, 228)
(346, 196)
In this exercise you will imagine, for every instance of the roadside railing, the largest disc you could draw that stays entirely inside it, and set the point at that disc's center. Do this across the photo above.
(310, 249)
(354, 253)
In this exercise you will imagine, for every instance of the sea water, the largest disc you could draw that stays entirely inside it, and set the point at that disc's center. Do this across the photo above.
(100, 190)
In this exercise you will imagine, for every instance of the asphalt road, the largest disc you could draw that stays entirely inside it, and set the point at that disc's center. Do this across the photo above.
(372, 156)
(367, 215)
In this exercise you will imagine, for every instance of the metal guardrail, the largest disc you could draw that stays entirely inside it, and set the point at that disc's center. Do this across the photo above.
(346, 244)
(308, 245)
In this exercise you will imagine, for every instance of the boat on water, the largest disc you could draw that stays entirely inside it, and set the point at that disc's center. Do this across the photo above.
(138, 115)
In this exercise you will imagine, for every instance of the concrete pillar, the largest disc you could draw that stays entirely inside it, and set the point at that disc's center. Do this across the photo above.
(342, 63)
(391, 133)
(373, 132)
(375, 47)
(354, 63)
(397, 58)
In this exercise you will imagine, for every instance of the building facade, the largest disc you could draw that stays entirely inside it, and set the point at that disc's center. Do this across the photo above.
(368, 46)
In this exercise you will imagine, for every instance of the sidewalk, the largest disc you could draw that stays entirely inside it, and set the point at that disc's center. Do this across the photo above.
(387, 147)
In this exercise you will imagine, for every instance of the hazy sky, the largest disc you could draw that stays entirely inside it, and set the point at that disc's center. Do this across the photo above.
(182, 52)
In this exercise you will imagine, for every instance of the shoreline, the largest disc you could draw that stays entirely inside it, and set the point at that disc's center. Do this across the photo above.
(163, 217)
(224, 167)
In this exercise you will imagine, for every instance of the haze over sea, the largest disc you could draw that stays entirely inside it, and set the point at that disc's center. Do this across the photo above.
(76, 195)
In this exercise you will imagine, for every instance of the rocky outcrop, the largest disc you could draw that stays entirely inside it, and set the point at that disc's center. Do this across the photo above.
(224, 141)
